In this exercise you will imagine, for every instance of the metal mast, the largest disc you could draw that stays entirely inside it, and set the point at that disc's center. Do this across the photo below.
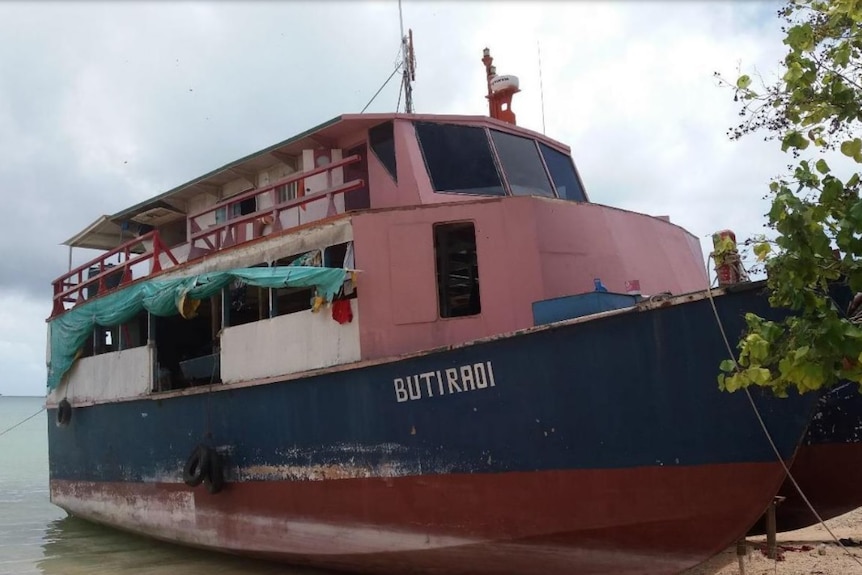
(408, 67)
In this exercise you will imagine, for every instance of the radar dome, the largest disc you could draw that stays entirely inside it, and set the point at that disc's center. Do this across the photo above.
(499, 83)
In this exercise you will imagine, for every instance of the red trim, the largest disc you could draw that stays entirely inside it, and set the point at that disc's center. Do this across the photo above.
(229, 232)
(73, 282)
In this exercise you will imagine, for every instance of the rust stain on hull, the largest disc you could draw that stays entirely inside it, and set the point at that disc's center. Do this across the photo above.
(543, 523)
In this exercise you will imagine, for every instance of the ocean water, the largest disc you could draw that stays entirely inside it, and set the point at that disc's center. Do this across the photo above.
(39, 538)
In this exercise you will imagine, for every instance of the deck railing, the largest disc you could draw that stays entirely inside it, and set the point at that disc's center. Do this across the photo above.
(228, 233)
(70, 287)
(81, 283)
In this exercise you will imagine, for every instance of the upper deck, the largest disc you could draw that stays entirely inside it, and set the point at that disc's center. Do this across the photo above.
(348, 164)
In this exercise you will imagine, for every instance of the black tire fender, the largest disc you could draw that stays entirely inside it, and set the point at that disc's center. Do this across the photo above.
(64, 412)
(197, 466)
(214, 480)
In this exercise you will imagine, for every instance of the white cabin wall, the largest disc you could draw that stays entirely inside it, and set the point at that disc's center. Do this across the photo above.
(317, 210)
(288, 344)
(270, 176)
(235, 187)
(108, 376)
(200, 203)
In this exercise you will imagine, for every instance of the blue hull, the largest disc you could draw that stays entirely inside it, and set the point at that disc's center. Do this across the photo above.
(631, 396)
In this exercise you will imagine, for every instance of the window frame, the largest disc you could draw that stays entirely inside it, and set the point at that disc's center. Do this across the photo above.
(502, 169)
(494, 160)
(571, 160)
(477, 281)
(393, 172)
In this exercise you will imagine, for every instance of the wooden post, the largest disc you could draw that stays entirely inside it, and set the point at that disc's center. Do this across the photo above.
(770, 529)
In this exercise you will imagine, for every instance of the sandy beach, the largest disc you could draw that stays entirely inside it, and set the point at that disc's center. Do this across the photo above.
(809, 551)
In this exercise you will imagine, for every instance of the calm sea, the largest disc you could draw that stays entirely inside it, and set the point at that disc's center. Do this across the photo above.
(38, 538)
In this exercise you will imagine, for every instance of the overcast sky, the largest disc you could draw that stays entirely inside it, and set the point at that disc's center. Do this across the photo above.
(105, 104)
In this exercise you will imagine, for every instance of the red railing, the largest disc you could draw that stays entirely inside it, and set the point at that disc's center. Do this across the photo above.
(69, 288)
(227, 233)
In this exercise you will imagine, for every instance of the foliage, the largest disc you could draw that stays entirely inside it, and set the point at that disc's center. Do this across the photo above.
(814, 111)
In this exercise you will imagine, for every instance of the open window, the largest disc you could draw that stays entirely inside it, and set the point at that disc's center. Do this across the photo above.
(235, 210)
(291, 300)
(457, 269)
(187, 351)
(131, 334)
(247, 303)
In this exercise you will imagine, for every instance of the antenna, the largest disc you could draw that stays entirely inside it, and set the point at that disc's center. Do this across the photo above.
(500, 90)
(408, 63)
(541, 84)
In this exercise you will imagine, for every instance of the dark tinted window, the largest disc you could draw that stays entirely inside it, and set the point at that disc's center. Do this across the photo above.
(563, 173)
(522, 165)
(459, 159)
(457, 269)
(382, 140)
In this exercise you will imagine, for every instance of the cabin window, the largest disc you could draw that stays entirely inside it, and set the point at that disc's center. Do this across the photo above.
(459, 159)
(337, 256)
(292, 300)
(382, 140)
(563, 174)
(118, 337)
(247, 303)
(522, 165)
(187, 350)
(286, 192)
(457, 269)
(241, 208)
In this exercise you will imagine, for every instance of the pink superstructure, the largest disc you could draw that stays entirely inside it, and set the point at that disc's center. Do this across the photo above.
(529, 248)
(508, 199)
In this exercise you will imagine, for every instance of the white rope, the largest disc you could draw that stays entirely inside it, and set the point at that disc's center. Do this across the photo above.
(23, 421)
(766, 431)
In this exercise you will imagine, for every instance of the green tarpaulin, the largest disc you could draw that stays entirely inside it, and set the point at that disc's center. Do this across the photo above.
(165, 297)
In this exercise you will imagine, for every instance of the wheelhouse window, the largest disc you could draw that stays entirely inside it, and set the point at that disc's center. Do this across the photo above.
(459, 159)
(457, 269)
(563, 173)
(382, 141)
(522, 165)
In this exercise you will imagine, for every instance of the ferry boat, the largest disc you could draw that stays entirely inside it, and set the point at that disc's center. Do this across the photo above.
(409, 343)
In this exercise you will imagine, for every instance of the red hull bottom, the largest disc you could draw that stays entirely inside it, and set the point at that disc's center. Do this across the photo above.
(656, 520)
(830, 476)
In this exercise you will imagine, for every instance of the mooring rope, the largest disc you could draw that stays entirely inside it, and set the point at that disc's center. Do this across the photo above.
(23, 421)
(766, 431)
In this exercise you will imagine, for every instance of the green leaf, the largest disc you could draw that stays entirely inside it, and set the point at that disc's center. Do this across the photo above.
(851, 148)
(822, 166)
(800, 37)
(856, 212)
(841, 54)
(728, 365)
(759, 375)
(743, 82)
(762, 250)
(794, 140)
